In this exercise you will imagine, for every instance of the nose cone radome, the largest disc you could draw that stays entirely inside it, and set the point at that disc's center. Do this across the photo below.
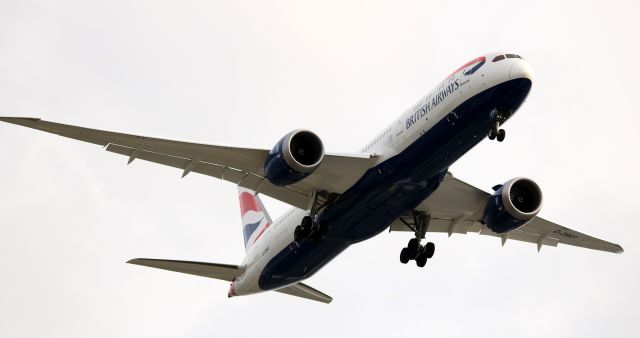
(521, 69)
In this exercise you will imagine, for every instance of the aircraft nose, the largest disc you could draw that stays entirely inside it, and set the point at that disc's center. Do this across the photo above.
(521, 69)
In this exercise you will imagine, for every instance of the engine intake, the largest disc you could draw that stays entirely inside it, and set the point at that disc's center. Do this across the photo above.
(513, 205)
(294, 157)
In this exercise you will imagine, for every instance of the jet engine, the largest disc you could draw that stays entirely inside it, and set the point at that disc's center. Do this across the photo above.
(512, 205)
(294, 157)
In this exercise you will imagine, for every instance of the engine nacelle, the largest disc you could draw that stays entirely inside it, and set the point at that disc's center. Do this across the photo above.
(513, 205)
(294, 157)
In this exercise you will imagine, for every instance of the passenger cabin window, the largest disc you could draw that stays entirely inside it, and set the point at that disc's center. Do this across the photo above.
(498, 58)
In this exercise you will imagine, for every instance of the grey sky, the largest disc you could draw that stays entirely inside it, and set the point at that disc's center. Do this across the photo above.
(247, 72)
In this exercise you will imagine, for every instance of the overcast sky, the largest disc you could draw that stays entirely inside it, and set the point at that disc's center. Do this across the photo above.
(246, 73)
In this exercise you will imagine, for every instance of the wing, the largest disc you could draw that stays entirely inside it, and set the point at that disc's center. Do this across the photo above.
(242, 166)
(457, 207)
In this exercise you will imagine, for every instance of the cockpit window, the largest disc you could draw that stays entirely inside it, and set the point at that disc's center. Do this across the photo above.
(513, 56)
(498, 58)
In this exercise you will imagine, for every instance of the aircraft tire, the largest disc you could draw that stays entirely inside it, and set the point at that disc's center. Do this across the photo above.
(297, 233)
(421, 260)
(430, 249)
(492, 134)
(413, 247)
(404, 256)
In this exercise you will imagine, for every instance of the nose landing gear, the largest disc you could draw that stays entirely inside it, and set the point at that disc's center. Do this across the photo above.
(415, 251)
(500, 116)
(497, 133)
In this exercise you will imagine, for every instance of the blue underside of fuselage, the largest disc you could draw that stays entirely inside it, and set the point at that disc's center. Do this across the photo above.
(395, 186)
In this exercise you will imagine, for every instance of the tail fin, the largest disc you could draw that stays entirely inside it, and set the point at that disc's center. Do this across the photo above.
(255, 219)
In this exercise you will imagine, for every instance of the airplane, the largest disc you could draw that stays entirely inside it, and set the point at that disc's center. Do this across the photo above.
(399, 181)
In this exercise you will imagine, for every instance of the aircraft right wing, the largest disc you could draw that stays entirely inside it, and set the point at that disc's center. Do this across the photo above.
(239, 165)
(457, 207)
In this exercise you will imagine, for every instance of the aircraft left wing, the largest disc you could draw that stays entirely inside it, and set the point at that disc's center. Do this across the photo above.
(239, 165)
(457, 207)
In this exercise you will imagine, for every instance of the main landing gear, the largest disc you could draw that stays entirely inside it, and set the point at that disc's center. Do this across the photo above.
(308, 228)
(500, 116)
(415, 251)
(303, 230)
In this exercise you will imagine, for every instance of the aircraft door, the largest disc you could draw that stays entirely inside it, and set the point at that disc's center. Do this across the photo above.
(399, 132)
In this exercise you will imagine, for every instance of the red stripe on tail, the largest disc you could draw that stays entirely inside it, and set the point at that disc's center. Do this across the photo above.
(248, 202)
(261, 232)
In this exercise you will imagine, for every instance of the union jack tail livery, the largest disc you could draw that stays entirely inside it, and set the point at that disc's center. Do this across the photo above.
(255, 219)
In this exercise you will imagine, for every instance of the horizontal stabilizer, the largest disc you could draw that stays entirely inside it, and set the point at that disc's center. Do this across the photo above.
(211, 270)
(305, 291)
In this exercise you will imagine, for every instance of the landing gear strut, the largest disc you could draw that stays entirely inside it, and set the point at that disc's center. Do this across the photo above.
(308, 228)
(415, 251)
(500, 116)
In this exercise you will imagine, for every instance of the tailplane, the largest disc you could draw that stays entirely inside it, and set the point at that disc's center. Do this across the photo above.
(227, 273)
(211, 270)
(305, 291)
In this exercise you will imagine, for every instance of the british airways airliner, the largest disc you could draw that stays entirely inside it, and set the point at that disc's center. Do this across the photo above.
(399, 181)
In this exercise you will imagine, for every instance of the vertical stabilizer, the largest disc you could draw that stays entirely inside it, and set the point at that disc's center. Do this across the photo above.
(255, 219)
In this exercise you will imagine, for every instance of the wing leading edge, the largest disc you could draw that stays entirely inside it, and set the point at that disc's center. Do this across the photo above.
(457, 207)
(240, 165)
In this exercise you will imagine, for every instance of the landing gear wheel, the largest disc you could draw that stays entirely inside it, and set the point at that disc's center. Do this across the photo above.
(429, 249)
(404, 256)
(501, 135)
(421, 260)
(301, 231)
(306, 222)
(413, 247)
(492, 134)
(297, 233)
